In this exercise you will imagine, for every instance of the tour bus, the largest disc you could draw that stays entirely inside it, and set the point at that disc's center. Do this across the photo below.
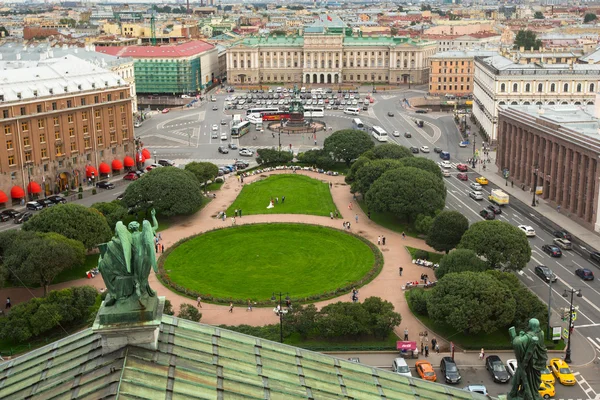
(314, 112)
(358, 124)
(380, 134)
(260, 110)
(352, 110)
(240, 129)
(254, 118)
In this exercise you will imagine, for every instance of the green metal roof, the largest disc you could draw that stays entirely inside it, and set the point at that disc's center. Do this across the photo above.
(197, 361)
(284, 41)
(384, 41)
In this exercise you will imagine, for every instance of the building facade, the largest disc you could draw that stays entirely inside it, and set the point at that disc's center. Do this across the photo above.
(556, 149)
(452, 72)
(499, 82)
(62, 123)
(329, 58)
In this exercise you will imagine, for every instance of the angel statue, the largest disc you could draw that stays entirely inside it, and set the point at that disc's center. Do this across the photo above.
(126, 260)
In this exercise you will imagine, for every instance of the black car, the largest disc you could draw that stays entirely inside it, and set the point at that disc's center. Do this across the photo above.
(46, 202)
(10, 213)
(23, 217)
(487, 214)
(33, 206)
(495, 209)
(585, 274)
(105, 185)
(223, 150)
(497, 369)
(552, 250)
(4, 217)
(450, 370)
(407, 135)
(241, 164)
(545, 273)
(437, 150)
(390, 114)
(57, 199)
(595, 256)
(414, 149)
(562, 234)
(421, 111)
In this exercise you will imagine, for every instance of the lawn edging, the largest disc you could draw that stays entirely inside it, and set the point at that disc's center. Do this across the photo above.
(207, 298)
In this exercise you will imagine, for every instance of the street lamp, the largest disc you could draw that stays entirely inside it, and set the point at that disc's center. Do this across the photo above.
(373, 81)
(474, 137)
(28, 186)
(535, 175)
(155, 157)
(279, 311)
(570, 328)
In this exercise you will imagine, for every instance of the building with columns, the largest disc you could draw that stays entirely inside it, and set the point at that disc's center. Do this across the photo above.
(555, 148)
(329, 57)
(499, 81)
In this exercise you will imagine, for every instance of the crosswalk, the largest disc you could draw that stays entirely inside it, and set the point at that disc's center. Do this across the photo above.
(589, 391)
(388, 96)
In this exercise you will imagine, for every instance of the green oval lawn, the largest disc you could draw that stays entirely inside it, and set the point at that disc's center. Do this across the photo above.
(253, 261)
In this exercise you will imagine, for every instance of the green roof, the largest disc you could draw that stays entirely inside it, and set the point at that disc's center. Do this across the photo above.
(197, 361)
(384, 41)
(284, 41)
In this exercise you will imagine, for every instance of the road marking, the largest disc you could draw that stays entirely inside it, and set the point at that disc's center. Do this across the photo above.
(158, 135)
(597, 345)
(582, 382)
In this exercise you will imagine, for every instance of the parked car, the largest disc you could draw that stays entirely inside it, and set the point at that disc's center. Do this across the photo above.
(4, 217)
(130, 176)
(215, 127)
(46, 202)
(497, 369)
(463, 177)
(57, 199)
(595, 256)
(33, 205)
(10, 213)
(241, 164)
(529, 231)
(585, 274)
(167, 163)
(462, 167)
(563, 243)
(449, 370)
(165, 110)
(552, 250)
(105, 185)
(223, 150)
(487, 214)
(545, 273)
(400, 367)
(562, 372)
(425, 370)
(476, 389)
(23, 217)
(354, 360)
(562, 234)
(495, 209)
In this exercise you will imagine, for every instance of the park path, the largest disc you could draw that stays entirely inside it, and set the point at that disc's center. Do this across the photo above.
(387, 285)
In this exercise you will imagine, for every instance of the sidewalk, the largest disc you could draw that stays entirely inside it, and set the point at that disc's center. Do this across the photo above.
(548, 211)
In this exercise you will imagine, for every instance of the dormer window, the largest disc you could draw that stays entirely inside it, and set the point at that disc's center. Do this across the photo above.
(93, 86)
(51, 91)
(66, 89)
(19, 96)
(35, 93)
(106, 83)
(79, 87)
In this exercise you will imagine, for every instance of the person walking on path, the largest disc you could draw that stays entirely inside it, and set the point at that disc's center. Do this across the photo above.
(199, 300)
(8, 305)
(162, 248)
(331, 214)
(240, 212)
(378, 240)
(400, 269)
(282, 199)
(405, 334)
(369, 214)
(356, 218)
(426, 350)
(232, 220)
(481, 354)
(422, 348)
(383, 240)
(231, 306)
(156, 247)
(403, 235)
(330, 185)
(433, 343)
(249, 306)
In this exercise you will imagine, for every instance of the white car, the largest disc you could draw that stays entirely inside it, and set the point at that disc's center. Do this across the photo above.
(511, 366)
(215, 127)
(400, 367)
(246, 152)
(475, 195)
(475, 186)
(444, 164)
(223, 136)
(425, 149)
(446, 173)
(396, 133)
(529, 231)
(462, 144)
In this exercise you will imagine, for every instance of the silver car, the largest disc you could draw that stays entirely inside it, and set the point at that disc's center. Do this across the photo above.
(475, 195)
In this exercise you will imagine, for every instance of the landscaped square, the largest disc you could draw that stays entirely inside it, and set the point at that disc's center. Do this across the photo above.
(303, 195)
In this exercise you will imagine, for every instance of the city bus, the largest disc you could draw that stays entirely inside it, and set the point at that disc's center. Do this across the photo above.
(380, 134)
(358, 124)
(275, 116)
(318, 112)
(260, 110)
(240, 129)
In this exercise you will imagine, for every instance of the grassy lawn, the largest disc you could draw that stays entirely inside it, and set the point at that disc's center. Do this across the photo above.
(91, 261)
(214, 186)
(388, 220)
(253, 261)
(365, 344)
(433, 257)
(303, 195)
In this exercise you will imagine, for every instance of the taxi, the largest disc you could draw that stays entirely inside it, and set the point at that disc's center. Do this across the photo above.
(481, 180)
(546, 390)
(562, 372)
(425, 370)
(547, 376)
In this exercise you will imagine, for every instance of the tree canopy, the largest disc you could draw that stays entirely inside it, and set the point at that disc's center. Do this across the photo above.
(424, 164)
(114, 211)
(388, 150)
(527, 39)
(538, 15)
(471, 302)
(502, 245)
(356, 165)
(407, 192)
(447, 229)
(317, 158)
(271, 156)
(370, 172)
(460, 260)
(348, 144)
(203, 171)
(170, 191)
(73, 221)
(589, 17)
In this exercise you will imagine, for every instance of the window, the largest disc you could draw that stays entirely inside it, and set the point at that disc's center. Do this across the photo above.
(96, 99)
(592, 87)
(122, 108)
(42, 137)
(39, 108)
(83, 101)
(566, 87)
(44, 152)
(109, 97)
(69, 104)
(552, 87)
(59, 150)
(111, 124)
(85, 129)
(24, 126)
(124, 121)
(84, 115)
(73, 146)
(121, 95)
(23, 111)
(540, 87)
(503, 87)
(4, 113)
(27, 156)
(579, 88)
(125, 133)
(110, 111)
(55, 120)
(26, 142)
(9, 145)
(57, 135)
(97, 113)
(100, 140)
(98, 126)
(86, 143)
(54, 107)
(528, 87)
(11, 160)
(41, 123)
(113, 137)
(70, 118)
(7, 129)
(71, 132)
(515, 87)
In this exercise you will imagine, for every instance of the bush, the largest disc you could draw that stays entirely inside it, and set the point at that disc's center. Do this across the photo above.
(422, 254)
(188, 311)
(417, 300)
(219, 179)
(80, 196)
(94, 191)
(80, 190)
(168, 310)
(423, 224)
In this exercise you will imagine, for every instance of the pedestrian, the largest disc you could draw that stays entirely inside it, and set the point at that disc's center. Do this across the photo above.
(403, 235)
(350, 206)
(512, 183)
(276, 200)
(369, 214)
(159, 236)
(356, 218)
(337, 214)
(405, 334)
(330, 185)
(378, 240)
(232, 220)
(481, 354)
(198, 300)
(282, 199)
(288, 304)
(162, 248)
(331, 214)
(426, 350)
(224, 216)
(242, 179)
(558, 208)
(383, 240)
(235, 212)
(344, 225)
(315, 142)
(422, 348)
(433, 343)
(348, 223)
(249, 306)
(8, 304)
(231, 306)
(400, 269)
(156, 247)
(240, 212)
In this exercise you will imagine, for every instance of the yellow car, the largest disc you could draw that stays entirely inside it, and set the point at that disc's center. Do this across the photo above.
(546, 390)
(547, 376)
(562, 372)
(481, 180)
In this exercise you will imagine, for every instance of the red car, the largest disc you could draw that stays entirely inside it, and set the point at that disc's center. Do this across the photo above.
(166, 110)
(463, 177)
(130, 176)
(462, 167)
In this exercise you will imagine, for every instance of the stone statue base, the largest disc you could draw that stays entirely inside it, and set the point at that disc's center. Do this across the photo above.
(127, 323)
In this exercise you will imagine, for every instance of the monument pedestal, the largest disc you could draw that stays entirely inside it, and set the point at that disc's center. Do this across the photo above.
(127, 323)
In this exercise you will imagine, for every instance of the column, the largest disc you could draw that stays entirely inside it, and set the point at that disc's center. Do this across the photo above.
(574, 166)
(512, 159)
(589, 191)
(523, 158)
(303, 60)
(566, 177)
(271, 59)
(581, 187)
(558, 171)
(355, 57)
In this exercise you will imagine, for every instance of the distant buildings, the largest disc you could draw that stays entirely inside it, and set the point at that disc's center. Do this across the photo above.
(452, 72)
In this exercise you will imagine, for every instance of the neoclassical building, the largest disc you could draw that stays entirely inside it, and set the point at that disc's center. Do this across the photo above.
(329, 57)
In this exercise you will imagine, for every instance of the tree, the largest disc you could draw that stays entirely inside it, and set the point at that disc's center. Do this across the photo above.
(471, 302)
(370, 172)
(383, 318)
(417, 300)
(460, 260)
(272, 156)
(589, 17)
(388, 150)
(73, 221)
(356, 165)
(527, 39)
(203, 171)
(423, 224)
(424, 164)
(407, 192)
(502, 245)
(343, 319)
(317, 158)
(446, 231)
(168, 310)
(538, 15)
(188, 311)
(170, 191)
(113, 211)
(304, 320)
(348, 144)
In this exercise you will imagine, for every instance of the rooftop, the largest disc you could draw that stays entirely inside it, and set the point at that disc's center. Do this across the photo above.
(167, 51)
(464, 54)
(197, 361)
(500, 65)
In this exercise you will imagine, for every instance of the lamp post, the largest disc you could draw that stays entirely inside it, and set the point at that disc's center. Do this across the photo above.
(373, 81)
(570, 328)
(279, 312)
(535, 175)
(474, 137)
(155, 157)
(28, 186)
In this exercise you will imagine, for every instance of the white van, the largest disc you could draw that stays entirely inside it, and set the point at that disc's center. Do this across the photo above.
(352, 110)
(303, 90)
(400, 367)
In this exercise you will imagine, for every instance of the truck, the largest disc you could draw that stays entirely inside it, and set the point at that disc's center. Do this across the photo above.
(498, 197)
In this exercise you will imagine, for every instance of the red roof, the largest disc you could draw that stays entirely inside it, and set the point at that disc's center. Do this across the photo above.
(167, 51)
